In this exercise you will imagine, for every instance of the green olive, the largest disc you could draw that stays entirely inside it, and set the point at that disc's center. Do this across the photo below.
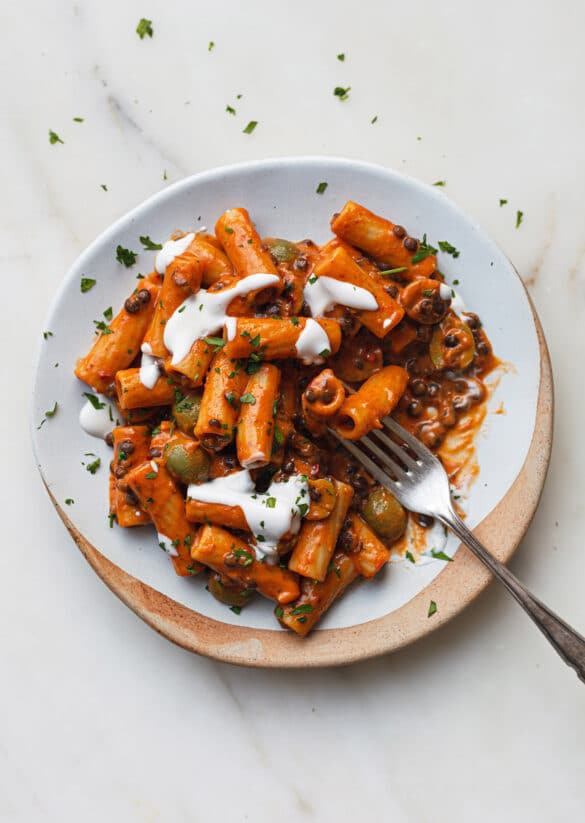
(452, 345)
(384, 514)
(283, 251)
(188, 465)
(227, 592)
(186, 411)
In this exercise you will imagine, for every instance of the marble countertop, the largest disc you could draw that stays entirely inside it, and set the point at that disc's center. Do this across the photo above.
(101, 718)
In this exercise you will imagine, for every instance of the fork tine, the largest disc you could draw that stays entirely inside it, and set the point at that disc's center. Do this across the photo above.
(396, 448)
(366, 461)
(382, 456)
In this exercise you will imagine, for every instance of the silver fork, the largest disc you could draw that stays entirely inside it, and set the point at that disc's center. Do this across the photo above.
(416, 477)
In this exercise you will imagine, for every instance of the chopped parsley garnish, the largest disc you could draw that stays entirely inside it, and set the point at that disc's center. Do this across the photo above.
(126, 256)
(374, 119)
(341, 57)
(342, 93)
(440, 555)
(150, 475)
(54, 138)
(303, 508)
(424, 250)
(279, 612)
(325, 353)
(230, 397)
(93, 467)
(391, 272)
(432, 608)
(95, 402)
(144, 28)
(211, 46)
(78, 119)
(248, 399)
(271, 502)
(455, 282)
(192, 568)
(246, 556)
(294, 321)
(440, 183)
(321, 187)
(111, 518)
(47, 334)
(69, 501)
(52, 412)
(445, 246)
(108, 313)
(312, 279)
(104, 187)
(519, 217)
(217, 342)
(149, 245)
(230, 109)
(305, 608)
(278, 436)
(409, 556)
(502, 202)
(235, 609)
(87, 283)
(229, 230)
(250, 127)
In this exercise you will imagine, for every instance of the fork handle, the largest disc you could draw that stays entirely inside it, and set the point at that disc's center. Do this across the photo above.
(568, 642)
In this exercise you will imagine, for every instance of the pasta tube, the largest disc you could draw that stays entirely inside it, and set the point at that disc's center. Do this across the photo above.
(159, 495)
(377, 397)
(229, 556)
(270, 339)
(131, 446)
(133, 394)
(368, 553)
(317, 538)
(316, 597)
(243, 245)
(220, 402)
(338, 264)
(119, 343)
(386, 242)
(255, 434)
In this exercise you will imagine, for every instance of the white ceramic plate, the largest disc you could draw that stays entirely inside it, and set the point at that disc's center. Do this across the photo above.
(281, 197)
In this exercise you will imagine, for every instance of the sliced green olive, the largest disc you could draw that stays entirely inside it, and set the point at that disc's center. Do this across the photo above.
(227, 592)
(186, 411)
(188, 464)
(283, 251)
(452, 345)
(384, 514)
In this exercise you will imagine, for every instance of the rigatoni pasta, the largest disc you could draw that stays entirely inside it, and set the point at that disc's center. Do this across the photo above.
(222, 380)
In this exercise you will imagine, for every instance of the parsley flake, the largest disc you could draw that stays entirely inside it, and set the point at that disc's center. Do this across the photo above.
(440, 183)
(445, 246)
(424, 250)
(342, 93)
(321, 188)
(149, 245)
(144, 28)
(217, 342)
(440, 555)
(341, 57)
(519, 217)
(125, 256)
(502, 202)
(248, 399)
(432, 608)
(86, 284)
(54, 138)
(93, 467)
(230, 109)
(95, 402)
(250, 127)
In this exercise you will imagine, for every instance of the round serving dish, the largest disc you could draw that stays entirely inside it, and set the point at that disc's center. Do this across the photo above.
(513, 447)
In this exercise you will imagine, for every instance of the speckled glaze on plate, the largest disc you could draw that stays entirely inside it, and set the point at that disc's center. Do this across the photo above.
(372, 618)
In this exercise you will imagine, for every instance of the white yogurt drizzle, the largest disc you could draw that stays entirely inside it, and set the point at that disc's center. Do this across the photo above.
(204, 314)
(149, 368)
(269, 515)
(323, 293)
(167, 545)
(170, 250)
(98, 422)
(313, 343)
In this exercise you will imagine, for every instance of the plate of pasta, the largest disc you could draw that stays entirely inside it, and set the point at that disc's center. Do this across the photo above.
(206, 358)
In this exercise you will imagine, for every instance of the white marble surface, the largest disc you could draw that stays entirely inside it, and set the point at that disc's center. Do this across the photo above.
(99, 717)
